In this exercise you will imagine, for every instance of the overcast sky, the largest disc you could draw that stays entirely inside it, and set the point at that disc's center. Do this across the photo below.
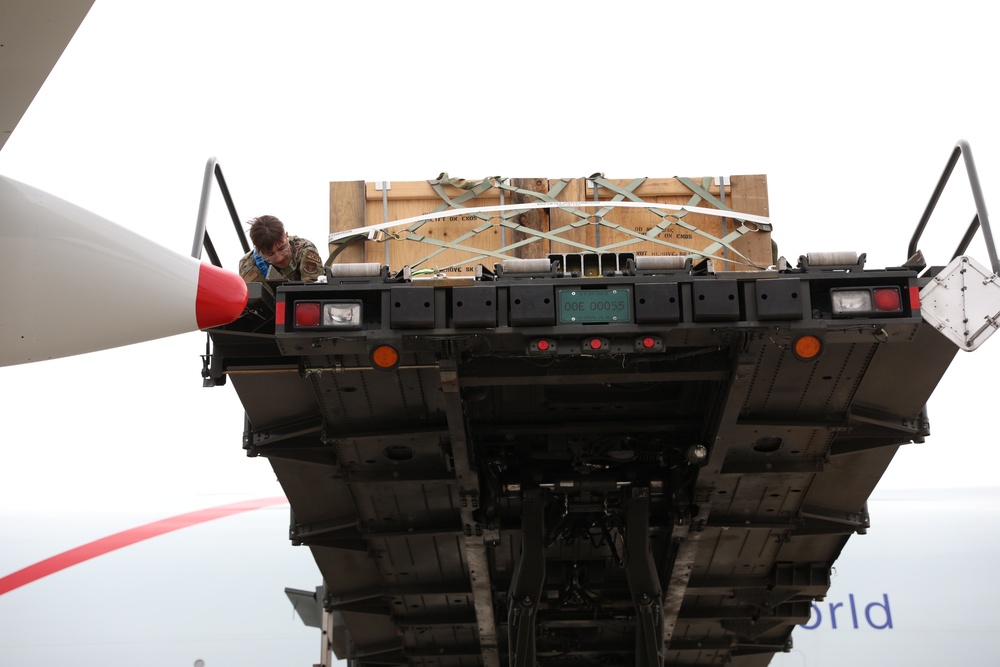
(850, 108)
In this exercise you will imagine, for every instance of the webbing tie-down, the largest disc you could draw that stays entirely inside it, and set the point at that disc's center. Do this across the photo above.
(506, 217)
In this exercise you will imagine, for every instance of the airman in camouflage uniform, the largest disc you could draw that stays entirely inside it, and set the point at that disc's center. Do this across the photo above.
(293, 257)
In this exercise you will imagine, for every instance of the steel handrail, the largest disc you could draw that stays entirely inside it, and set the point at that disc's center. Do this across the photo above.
(981, 220)
(201, 237)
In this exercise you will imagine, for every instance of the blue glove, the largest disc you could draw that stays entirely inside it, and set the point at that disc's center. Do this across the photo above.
(261, 264)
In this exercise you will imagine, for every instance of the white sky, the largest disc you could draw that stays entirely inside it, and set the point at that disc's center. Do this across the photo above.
(851, 109)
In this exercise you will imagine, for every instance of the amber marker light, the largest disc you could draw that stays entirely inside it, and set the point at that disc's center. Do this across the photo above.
(384, 358)
(807, 347)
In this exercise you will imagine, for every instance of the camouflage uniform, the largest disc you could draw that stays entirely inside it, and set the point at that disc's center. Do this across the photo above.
(305, 264)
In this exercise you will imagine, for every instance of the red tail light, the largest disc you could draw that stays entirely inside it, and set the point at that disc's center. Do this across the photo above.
(542, 346)
(887, 299)
(307, 314)
(866, 301)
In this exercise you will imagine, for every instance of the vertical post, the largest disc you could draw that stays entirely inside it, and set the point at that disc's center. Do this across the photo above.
(537, 218)
(200, 223)
(326, 639)
(473, 542)
(640, 570)
(721, 180)
(529, 578)
(977, 196)
(385, 218)
(347, 211)
(597, 230)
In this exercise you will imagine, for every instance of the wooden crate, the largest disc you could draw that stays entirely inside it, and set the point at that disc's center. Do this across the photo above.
(647, 223)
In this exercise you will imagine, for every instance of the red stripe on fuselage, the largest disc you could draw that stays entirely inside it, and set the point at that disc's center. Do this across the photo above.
(125, 538)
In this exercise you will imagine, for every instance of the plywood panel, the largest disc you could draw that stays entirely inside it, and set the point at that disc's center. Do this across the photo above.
(750, 196)
(347, 211)
(420, 245)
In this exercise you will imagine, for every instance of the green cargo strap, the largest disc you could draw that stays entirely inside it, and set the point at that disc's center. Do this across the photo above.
(668, 219)
(732, 236)
(472, 190)
(475, 188)
(621, 193)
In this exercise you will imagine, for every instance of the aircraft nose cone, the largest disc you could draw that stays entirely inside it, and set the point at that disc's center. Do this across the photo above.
(222, 296)
(80, 283)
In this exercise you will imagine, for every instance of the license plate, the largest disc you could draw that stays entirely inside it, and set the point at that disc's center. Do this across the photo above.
(578, 306)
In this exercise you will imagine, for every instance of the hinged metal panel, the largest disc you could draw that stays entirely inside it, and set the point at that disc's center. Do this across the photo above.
(963, 302)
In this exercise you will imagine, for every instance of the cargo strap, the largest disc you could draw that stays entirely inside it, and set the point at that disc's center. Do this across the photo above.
(667, 219)
(555, 235)
(744, 227)
(472, 190)
(507, 218)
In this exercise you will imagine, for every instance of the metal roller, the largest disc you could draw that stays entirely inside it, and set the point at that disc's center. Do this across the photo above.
(355, 270)
(526, 266)
(832, 258)
(660, 262)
